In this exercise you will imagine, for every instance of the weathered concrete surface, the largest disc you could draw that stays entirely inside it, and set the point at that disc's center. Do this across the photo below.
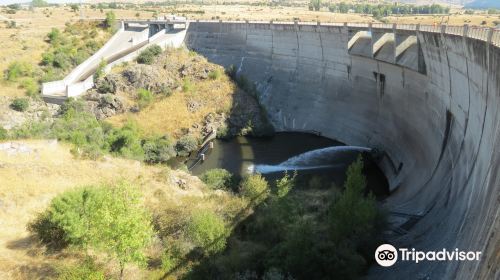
(440, 130)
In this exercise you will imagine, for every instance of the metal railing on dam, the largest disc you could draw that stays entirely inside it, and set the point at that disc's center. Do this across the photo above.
(487, 34)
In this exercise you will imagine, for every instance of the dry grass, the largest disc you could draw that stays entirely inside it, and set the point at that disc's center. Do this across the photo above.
(171, 114)
(30, 180)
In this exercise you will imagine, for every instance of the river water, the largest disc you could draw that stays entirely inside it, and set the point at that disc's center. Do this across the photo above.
(308, 154)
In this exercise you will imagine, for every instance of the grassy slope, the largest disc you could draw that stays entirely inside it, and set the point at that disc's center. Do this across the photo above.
(30, 180)
(171, 114)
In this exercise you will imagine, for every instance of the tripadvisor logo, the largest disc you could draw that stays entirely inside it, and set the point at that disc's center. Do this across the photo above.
(387, 255)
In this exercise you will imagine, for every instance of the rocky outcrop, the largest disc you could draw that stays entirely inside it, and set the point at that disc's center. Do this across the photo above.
(37, 111)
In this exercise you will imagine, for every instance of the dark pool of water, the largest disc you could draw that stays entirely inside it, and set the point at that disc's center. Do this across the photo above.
(243, 155)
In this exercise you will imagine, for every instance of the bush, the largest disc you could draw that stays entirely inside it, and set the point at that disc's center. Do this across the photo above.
(218, 178)
(214, 75)
(31, 87)
(285, 184)
(158, 150)
(186, 145)
(207, 231)
(353, 214)
(54, 36)
(110, 20)
(62, 60)
(87, 269)
(99, 72)
(144, 98)
(148, 55)
(126, 142)
(20, 104)
(255, 188)
(17, 70)
(187, 85)
(110, 219)
(4, 134)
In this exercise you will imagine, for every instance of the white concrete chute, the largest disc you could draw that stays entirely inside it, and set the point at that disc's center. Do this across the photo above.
(128, 41)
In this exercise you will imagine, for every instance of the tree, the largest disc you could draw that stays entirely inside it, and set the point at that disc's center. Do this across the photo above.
(119, 225)
(285, 184)
(108, 218)
(315, 5)
(218, 178)
(39, 3)
(20, 104)
(255, 188)
(74, 7)
(186, 145)
(207, 231)
(353, 214)
(110, 20)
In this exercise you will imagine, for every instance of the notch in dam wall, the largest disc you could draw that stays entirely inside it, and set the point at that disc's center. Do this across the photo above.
(427, 97)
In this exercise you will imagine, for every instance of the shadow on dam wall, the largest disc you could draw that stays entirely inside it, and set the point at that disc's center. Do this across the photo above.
(438, 128)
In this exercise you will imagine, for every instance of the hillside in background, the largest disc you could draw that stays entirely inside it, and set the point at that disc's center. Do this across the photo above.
(484, 4)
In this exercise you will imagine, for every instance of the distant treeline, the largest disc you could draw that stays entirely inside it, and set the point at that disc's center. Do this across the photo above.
(388, 9)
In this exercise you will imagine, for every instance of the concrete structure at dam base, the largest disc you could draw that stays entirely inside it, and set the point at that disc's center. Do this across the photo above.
(426, 97)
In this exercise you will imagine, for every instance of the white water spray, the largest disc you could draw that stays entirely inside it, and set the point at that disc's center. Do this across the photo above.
(315, 159)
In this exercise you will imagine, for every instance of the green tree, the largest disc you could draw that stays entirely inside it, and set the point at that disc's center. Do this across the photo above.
(186, 145)
(158, 149)
(110, 20)
(353, 213)
(39, 3)
(99, 72)
(218, 178)
(74, 7)
(20, 104)
(315, 5)
(108, 218)
(207, 231)
(285, 184)
(255, 188)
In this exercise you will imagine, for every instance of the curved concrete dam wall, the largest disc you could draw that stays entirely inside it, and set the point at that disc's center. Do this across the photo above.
(432, 109)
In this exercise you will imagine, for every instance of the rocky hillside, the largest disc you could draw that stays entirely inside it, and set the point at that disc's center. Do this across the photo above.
(179, 93)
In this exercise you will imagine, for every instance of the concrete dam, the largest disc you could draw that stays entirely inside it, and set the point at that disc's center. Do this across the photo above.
(426, 97)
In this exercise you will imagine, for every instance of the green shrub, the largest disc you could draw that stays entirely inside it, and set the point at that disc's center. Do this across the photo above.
(218, 178)
(110, 20)
(110, 219)
(353, 213)
(214, 75)
(187, 85)
(87, 269)
(171, 257)
(20, 104)
(32, 129)
(163, 90)
(285, 184)
(148, 55)
(62, 60)
(17, 70)
(126, 142)
(158, 150)
(255, 188)
(207, 231)
(186, 145)
(99, 72)
(4, 134)
(31, 87)
(54, 36)
(144, 98)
